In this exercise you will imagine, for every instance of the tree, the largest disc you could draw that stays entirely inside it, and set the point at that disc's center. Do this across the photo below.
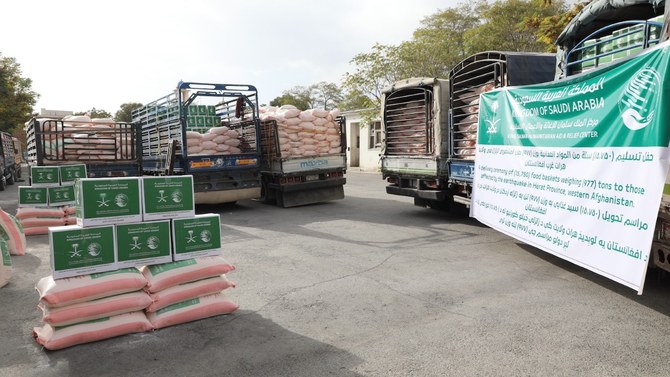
(124, 114)
(298, 96)
(325, 95)
(439, 43)
(548, 28)
(16, 96)
(504, 26)
(95, 113)
(374, 71)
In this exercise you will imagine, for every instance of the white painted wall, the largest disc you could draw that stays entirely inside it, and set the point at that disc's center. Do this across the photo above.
(361, 155)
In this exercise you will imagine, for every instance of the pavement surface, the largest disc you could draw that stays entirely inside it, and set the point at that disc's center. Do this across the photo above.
(369, 286)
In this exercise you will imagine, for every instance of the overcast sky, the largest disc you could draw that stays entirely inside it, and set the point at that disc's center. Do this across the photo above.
(85, 54)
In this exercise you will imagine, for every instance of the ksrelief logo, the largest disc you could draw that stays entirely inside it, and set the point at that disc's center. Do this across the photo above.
(177, 196)
(121, 200)
(639, 99)
(94, 249)
(153, 242)
(205, 236)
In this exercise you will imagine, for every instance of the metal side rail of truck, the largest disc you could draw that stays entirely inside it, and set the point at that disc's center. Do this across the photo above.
(414, 159)
(471, 77)
(294, 181)
(606, 32)
(107, 148)
(208, 131)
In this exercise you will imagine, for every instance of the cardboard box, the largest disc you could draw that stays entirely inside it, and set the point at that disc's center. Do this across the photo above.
(200, 121)
(44, 176)
(61, 195)
(33, 196)
(81, 251)
(144, 243)
(605, 48)
(107, 201)
(199, 236)
(193, 109)
(588, 54)
(70, 173)
(168, 197)
(191, 121)
(202, 110)
(211, 110)
(620, 43)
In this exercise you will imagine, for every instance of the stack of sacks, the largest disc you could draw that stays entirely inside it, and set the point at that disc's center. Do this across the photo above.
(11, 232)
(92, 307)
(469, 124)
(5, 264)
(187, 290)
(306, 133)
(36, 220)
(80, 138)
(216, 141)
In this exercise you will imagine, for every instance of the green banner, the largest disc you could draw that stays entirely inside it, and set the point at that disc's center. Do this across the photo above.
(576, 167)
(616, 106)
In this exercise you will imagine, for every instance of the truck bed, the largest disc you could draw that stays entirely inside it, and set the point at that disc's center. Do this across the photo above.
(108, 149)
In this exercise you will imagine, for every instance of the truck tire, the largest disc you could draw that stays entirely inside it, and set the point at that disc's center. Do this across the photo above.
(11, 179)
(3, 184)
(268, 195)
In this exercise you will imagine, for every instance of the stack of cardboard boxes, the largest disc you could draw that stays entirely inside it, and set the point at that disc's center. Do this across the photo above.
(132, 222)
(145, 223)
(49, 200)
(621, 43)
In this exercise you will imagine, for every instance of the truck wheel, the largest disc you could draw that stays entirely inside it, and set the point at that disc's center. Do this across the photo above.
(3, 184)
(267, 195)
(280, 198)
(11, 179)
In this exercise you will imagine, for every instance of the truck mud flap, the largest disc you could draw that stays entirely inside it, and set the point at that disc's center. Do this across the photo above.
(226, 196)
(288, 199)
(414, 193)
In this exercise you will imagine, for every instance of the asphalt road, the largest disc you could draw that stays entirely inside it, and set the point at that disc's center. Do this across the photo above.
(369, 286)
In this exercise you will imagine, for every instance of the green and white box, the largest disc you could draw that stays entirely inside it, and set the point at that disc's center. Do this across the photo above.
(199, 236)
(33, 196)
(143, 243)
(61, 195)
(44, 176)
(107, 201)
(167, 197)
(81, 251)
(70, 173)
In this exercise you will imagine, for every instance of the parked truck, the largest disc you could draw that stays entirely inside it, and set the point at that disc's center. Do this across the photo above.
(107, 148)
(208, 131)
(430, 125)
(8, 171)
(18, 158)
(604, 33)
(304, 162)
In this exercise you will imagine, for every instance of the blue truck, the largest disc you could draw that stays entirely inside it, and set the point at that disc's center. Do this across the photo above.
(179, 134)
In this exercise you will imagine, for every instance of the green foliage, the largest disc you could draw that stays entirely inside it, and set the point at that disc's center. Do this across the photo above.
(95, 113)
(440, 42)
(374, 71)
(323, 95)
(505, 26)
(298, 96)
(16, 96)
(124, 114)
(548, 28)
